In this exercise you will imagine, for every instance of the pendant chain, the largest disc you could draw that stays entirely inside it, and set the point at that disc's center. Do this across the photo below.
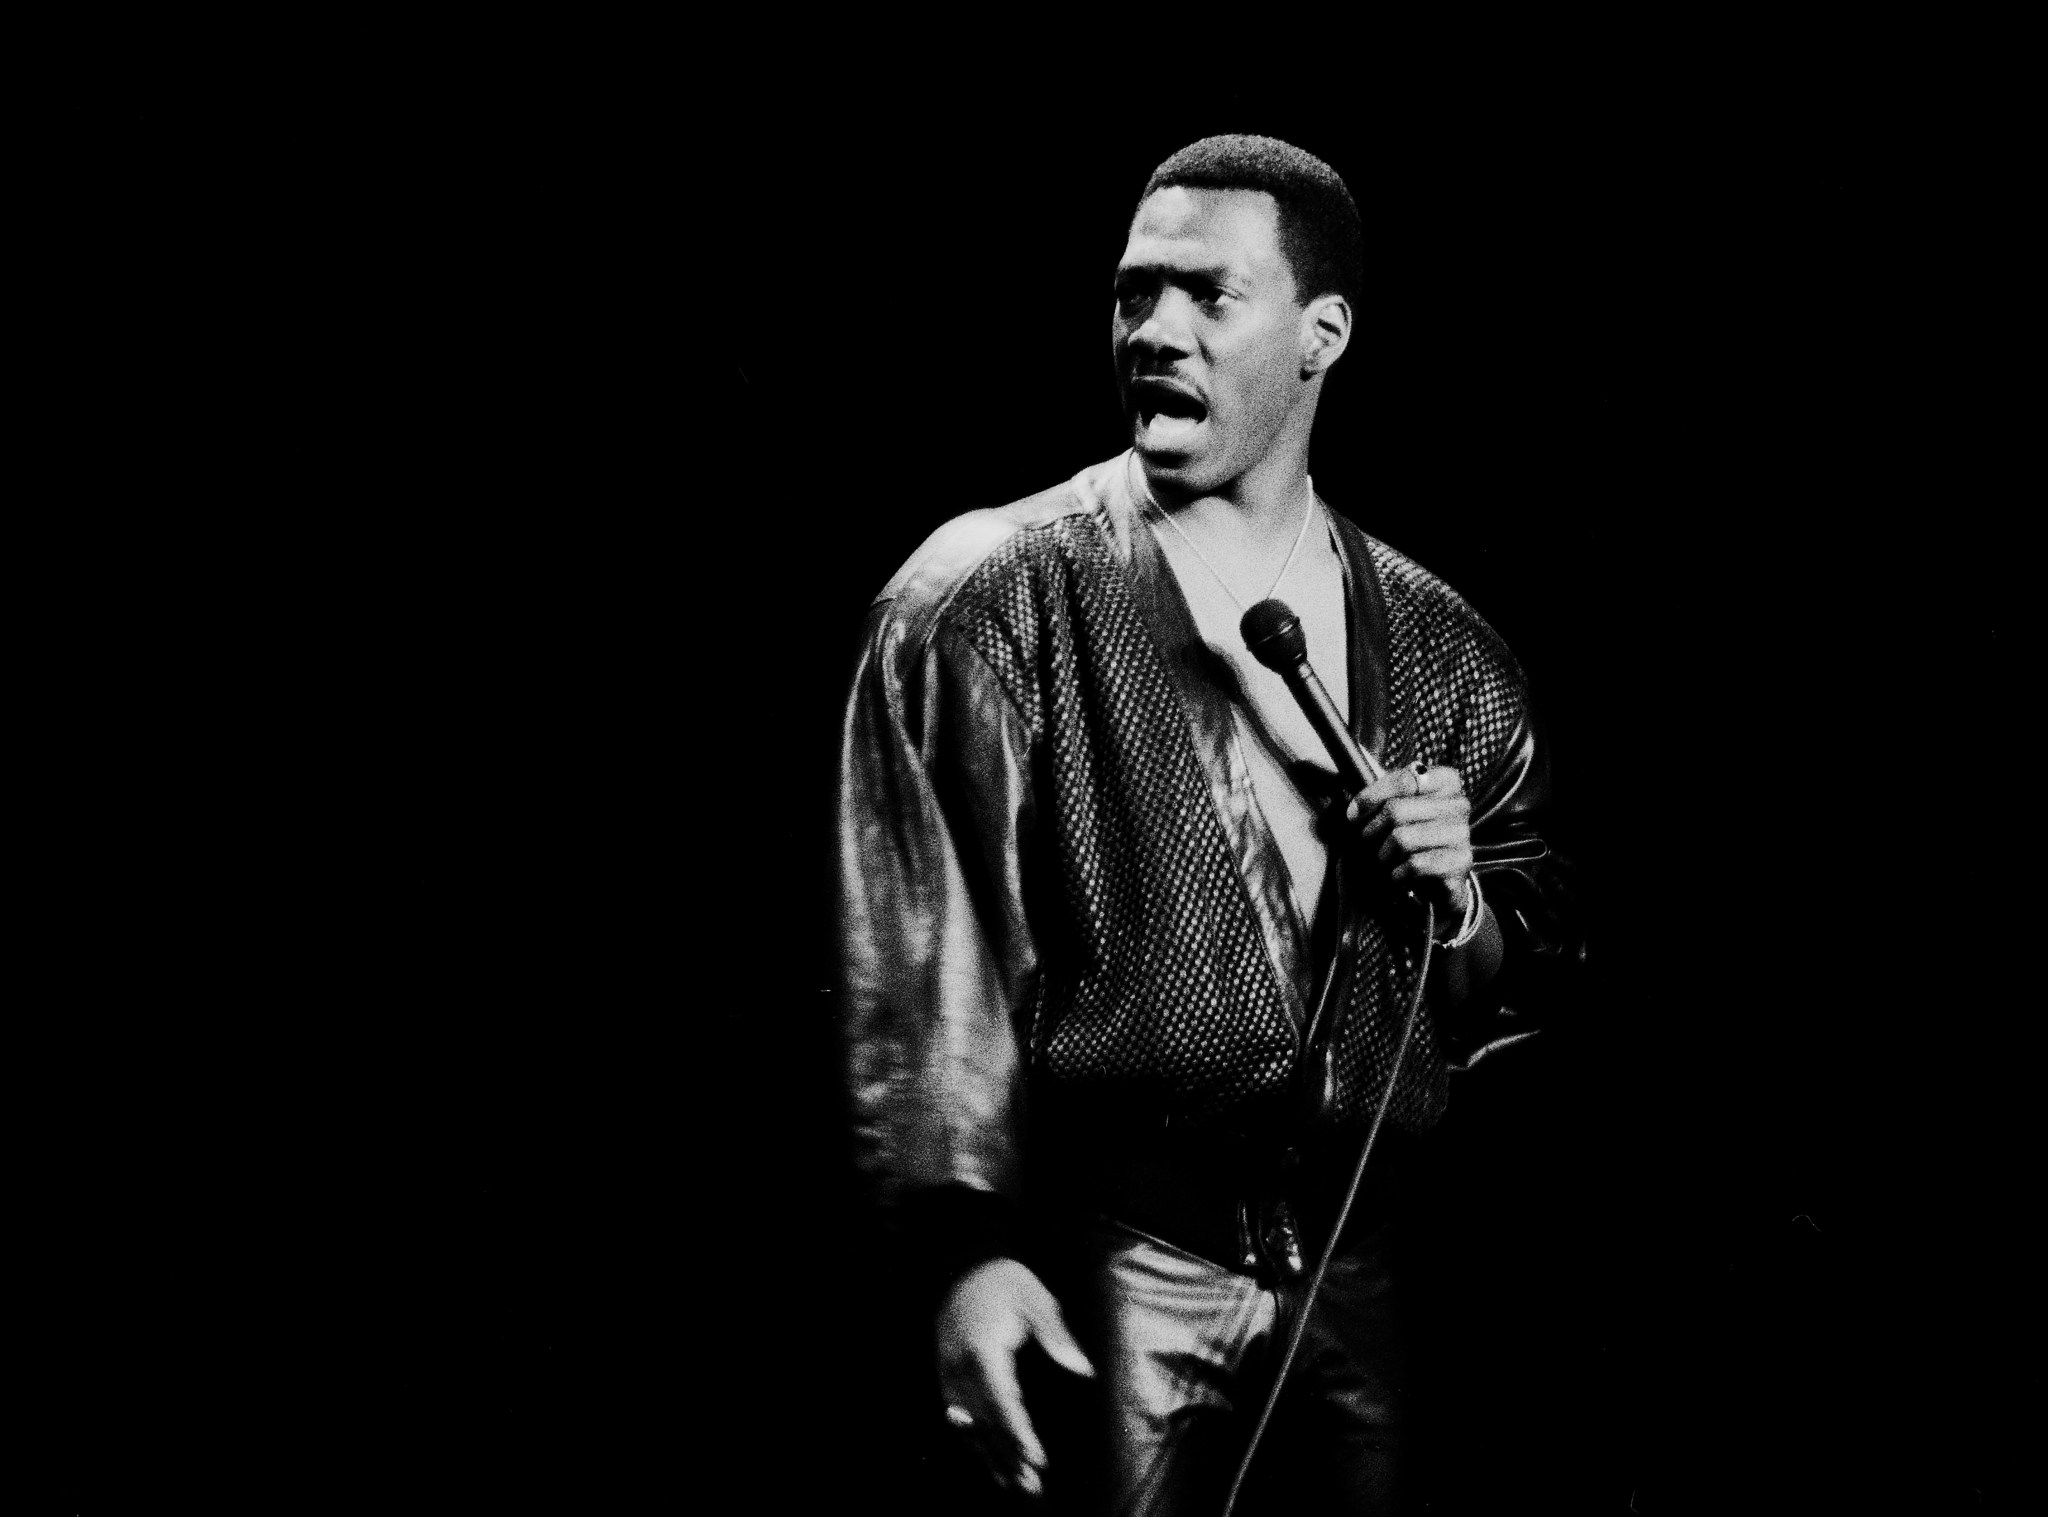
(1300, 537)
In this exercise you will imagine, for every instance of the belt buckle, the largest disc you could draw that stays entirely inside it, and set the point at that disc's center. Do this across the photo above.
(1269, 1240)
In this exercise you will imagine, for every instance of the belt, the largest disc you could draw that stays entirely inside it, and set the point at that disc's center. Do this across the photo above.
(1267, 1218)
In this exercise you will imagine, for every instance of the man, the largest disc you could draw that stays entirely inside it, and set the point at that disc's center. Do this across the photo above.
(1127, 970)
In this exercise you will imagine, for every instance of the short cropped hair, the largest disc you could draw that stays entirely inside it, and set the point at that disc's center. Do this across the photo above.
(1321, 235)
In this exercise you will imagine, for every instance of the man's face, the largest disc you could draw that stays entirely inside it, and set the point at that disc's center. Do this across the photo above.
(1207, 335)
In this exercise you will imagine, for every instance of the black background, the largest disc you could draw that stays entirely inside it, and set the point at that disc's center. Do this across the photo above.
(572, 418)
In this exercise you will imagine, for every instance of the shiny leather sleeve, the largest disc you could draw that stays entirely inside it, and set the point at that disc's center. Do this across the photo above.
(1534, 905)
(937, 959)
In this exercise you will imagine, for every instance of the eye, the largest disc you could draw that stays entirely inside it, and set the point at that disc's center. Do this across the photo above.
(1131, 293)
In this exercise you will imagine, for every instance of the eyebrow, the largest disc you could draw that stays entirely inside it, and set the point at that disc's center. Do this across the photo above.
(1215, 273)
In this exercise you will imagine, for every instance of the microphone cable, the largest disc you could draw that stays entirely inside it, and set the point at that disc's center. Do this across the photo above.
(1343, 1213)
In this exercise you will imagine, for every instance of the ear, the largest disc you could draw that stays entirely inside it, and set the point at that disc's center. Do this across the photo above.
(1325, 332)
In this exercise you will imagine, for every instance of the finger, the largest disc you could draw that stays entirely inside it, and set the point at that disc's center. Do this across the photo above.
(1365, 818)
(1000, 1457)
(976, 1421)
(1050, 1328)
(967, 1411)
(1437, 859)
(1006, 1405)
(1437, 867)
(1412, 808)
(1390, 784)
(1421, 837)
(967, 1415)
(1394, 782)
(1420, 808)
(1373, 819)
(1441, 780)
(1403, 811)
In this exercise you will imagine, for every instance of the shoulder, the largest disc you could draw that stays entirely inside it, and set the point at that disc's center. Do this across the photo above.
(1421, 606)
(997, 543)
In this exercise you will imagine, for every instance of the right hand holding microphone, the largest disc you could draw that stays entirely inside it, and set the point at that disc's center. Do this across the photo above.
(1418, 822)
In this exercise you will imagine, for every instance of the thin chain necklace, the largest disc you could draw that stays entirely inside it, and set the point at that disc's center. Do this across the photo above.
(1300, 537)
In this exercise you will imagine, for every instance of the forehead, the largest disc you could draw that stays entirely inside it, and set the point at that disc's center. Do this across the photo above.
(1183, 228)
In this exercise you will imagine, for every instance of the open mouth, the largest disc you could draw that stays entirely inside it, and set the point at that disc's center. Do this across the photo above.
(1152, 398)
(1165, 413)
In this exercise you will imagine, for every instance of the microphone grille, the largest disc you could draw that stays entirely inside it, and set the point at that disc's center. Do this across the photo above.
(1273, 633)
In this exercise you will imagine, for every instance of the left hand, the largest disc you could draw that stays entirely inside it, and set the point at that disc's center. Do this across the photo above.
(1420, 827)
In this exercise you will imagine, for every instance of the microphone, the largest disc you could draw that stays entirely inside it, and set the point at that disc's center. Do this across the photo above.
(1273, 634)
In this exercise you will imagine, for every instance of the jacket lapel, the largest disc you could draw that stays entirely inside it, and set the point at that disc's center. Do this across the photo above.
(1366, 613)
(1204, 687)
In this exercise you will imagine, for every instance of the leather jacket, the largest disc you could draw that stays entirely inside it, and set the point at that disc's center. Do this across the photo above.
(1061, 909)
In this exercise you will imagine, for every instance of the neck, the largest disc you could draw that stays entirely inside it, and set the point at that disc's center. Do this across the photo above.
(1266, 501)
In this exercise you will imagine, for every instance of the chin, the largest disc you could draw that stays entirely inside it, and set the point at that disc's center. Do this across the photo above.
(1181, 469)
(1164, 456)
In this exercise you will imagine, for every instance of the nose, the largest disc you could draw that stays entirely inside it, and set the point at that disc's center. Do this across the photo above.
(1163, 334)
